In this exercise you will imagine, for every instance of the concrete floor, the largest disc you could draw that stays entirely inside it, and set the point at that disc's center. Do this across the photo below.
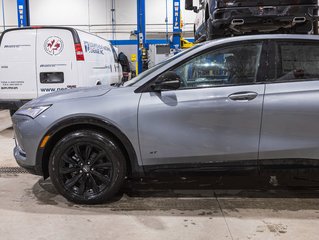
(6, 141)
(197, 208)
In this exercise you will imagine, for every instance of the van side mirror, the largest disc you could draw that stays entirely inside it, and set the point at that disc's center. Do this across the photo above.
(167, 81)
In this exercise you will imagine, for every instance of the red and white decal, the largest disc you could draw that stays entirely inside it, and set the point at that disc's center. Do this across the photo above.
(53, 45)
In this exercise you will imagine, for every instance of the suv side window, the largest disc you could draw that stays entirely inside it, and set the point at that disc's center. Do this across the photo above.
(297, 61)
(233, 65)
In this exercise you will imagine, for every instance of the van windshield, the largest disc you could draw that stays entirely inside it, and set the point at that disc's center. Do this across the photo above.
(159, 65)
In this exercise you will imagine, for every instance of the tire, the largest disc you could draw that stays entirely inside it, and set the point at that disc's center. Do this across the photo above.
(87, 167)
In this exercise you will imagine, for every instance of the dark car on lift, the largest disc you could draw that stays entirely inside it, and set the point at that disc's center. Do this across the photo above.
(222, 18)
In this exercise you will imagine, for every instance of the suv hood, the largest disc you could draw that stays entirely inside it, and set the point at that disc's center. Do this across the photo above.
(58, 96)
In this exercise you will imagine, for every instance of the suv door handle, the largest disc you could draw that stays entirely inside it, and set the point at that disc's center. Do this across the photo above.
(243, 96)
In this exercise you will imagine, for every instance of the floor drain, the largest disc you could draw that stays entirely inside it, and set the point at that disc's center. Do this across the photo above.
(12, 170)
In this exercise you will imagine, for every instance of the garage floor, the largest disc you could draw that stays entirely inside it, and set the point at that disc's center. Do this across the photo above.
(180, 208)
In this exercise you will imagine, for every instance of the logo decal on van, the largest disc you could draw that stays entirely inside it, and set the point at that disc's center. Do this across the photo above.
(53, 45)
(95, 48)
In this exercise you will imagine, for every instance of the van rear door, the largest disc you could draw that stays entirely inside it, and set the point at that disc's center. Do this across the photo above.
(117, 76)
(17, 65)
(56, 60)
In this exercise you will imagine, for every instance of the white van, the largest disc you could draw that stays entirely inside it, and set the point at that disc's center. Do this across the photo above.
(39, 60)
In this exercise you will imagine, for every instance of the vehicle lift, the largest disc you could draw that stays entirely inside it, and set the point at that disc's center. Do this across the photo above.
(142, 55)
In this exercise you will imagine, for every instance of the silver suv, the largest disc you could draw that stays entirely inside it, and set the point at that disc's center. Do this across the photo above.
(242, 103)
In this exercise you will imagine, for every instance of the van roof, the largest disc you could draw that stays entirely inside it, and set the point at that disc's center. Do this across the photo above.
(72, 30)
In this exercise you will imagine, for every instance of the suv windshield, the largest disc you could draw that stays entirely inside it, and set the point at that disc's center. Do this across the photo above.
(156, 67)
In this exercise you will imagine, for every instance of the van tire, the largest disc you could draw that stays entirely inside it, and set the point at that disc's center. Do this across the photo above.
(87, 167)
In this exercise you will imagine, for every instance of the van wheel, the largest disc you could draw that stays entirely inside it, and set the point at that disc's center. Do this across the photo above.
(87, 167)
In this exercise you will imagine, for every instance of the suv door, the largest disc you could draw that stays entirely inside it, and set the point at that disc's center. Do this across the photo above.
(215, 116)
(291, 109)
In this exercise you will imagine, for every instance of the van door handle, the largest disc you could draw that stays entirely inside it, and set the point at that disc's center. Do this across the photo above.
(243, 96)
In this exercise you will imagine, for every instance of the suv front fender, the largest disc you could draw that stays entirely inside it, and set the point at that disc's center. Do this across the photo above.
(88, 122)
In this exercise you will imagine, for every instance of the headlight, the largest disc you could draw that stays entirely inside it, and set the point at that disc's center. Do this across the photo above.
(32, 112)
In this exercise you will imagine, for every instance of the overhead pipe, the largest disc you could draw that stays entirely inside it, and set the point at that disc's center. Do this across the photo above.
(3, 16)
(113, 20)
(89, 20)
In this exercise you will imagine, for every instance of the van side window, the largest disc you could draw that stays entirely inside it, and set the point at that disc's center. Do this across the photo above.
(297, 61)
(51, 77)
(232, 65)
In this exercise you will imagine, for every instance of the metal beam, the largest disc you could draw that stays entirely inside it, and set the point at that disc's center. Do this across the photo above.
(23, 13)
(123, 42)
(147, 41)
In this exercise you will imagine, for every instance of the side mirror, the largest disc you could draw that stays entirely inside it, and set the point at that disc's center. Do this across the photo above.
(189, 5)
(167, 81)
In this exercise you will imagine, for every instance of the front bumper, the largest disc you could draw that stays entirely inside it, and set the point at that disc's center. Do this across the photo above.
(21, 159)
(27, 133)
(262, 18)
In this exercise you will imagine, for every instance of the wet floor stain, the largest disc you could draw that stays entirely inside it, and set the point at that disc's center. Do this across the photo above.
(174, 196)
(184, 197)
(276, 228)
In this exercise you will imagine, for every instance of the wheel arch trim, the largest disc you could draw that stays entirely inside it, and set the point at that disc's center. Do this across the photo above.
(91, 122)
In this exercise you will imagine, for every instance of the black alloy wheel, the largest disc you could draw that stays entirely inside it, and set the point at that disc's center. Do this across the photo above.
(87, 167)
